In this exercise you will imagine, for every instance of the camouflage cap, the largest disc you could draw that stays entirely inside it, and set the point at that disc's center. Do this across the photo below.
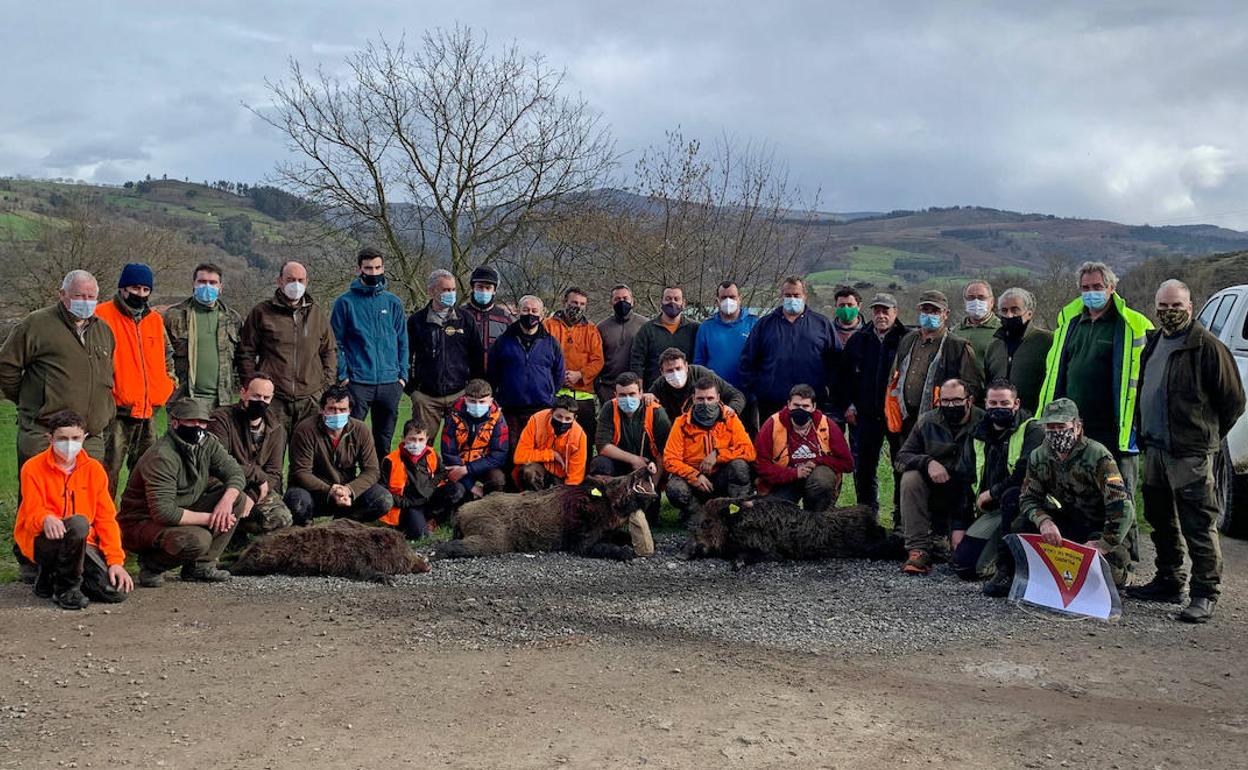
(883, 300)
(933, 297)
(189, 409)
(1061, 410)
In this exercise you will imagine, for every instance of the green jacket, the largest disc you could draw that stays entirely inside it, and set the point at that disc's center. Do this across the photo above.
(1125, 363)
(979, 336)
(1087, 487)
(179, 326)
(1025, 368)
(934, 439)
(46, 366)
(1202, 373)
(653, 338)
(173, 475)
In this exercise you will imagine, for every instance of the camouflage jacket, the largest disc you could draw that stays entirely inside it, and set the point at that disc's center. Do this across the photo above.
(178, 328)
(1086, 485)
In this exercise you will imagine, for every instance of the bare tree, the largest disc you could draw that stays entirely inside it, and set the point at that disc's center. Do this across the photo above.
(446, 149)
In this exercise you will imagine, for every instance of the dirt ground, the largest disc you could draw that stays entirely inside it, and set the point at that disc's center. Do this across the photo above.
(190, 676)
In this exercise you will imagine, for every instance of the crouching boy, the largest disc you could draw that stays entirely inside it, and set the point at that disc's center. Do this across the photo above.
(423, 492)
(67, 524)
(552, 448)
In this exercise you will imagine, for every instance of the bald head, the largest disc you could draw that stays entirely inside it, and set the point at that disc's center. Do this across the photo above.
(1172, 291)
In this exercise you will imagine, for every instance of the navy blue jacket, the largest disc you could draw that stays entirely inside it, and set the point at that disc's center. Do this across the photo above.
(780, 354)
(370, 327)
(525, 378)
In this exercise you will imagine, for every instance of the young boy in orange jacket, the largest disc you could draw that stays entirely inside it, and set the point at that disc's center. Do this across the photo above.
(67, 524)
(708, 452)
(552, 449)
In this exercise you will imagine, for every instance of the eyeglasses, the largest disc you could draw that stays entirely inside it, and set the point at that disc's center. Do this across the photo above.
(952, 402)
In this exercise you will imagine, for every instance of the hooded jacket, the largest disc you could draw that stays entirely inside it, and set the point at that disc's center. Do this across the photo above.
(582, 349)
(49, 491)
(774, 443)
(371, 333)
(292, 345)
(539, 444)
(688, 445)
(525, 377)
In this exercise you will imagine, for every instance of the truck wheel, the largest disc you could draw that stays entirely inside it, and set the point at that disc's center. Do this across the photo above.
(1231, 490)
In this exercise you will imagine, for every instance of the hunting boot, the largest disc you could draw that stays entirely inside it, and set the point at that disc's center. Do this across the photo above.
(1198, 610)
(1159, 589)
(149, 576)
(998, 586)
(919, 562)
(72, 599)
(204, 573)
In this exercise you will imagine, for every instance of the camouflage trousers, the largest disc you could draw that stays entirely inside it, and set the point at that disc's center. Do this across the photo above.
(268, 514)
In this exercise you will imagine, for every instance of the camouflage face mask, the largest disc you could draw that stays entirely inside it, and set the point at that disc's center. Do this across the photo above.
(1172, 319)
(1062, 441)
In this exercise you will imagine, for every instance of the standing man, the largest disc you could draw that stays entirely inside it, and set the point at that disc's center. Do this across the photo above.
(182, 501)
(143, 376)
(59, 358)
(862, 379)
(801, 456)
(1019, 348)
(203, 333)
(708, 453)
(253, 437)
(980, 323)
(490, 318)
(926, 357)
(847, 320)
(617, 334)
(721, 338)
(1095, 362)
(669, 330)
(1190, 396)
(525, 367)
(370, 329)
(789, 346)
(582, 354)
(288, 339)
(445, 352)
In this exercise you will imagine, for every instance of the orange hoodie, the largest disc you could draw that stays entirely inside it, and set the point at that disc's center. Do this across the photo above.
(142, 359)
(49, 491)
(539, 444)
(581, 344)
(688, 445)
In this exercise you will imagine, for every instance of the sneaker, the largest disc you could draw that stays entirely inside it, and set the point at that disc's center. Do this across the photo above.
(151, 578)
(1198, 610)
(919, 562)
(73, 599)
(998, 586)
(1157, 590)
(204, 574)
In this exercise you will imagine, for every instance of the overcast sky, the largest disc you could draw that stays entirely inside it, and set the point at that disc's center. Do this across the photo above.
(1134, 111)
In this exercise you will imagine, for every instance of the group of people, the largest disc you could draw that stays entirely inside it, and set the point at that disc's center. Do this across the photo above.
(993, 425)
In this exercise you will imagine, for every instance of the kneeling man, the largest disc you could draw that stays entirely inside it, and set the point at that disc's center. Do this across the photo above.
(256, 440)
(66, 523)
(182, 501)
(333, 465)
(552, 448)
(801, 454)
(708, 452)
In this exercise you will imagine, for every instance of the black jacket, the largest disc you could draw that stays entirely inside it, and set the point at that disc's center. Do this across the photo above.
(443, 358)
(861, 375)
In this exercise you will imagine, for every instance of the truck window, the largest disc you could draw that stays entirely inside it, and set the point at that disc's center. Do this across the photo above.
(1224, 312)
(1211, 309)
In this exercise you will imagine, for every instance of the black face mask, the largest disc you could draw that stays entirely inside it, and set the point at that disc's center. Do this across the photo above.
(561, 427)
(191, 434)
(799, 417)
(530, 321)
(256, 410)
(953, 414)
(672, 310)
(622, 309)
(1014, 325)
(1000, 417)
(135, 301)
(372, 280)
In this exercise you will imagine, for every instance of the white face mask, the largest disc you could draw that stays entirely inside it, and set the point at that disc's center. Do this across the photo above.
(415, 448)
(677, 377)
(294, 290)
(67, 450)
(729, 306)
(977, 308)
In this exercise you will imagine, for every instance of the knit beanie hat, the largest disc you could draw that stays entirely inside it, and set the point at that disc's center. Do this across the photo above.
(135, 274)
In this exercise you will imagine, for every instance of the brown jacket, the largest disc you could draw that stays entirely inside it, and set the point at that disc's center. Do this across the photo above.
(316, 464)
(45, 366)
(260, 462)
(293, 346)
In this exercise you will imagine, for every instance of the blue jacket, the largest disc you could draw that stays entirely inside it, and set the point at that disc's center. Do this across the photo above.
(371, 329)
(720, 343)
(495, 455)
(779, 355)
(525, 378)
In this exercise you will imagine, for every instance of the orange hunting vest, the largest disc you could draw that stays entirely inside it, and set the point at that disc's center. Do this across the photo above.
(398, 479)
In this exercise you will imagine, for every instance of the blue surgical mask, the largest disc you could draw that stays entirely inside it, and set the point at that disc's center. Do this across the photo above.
(82, 308)
(482, 298)
(1095, 300)
(447, 298)
(336, 421)
(629, 404)
(929, 321)
(206, 295)
(794, 305)
(477, 411)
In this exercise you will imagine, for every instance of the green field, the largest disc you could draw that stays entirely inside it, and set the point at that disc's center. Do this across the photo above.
(23, 227)
(871, 264)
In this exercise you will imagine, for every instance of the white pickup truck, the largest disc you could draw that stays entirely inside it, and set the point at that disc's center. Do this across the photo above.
(1226, 316)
